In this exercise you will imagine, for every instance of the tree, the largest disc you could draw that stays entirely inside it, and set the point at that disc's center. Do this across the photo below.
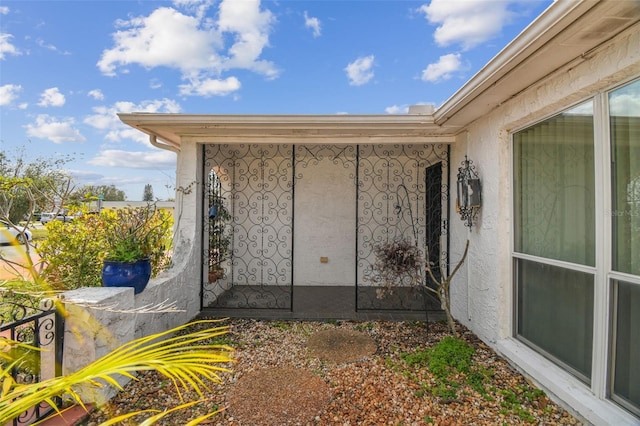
(108, 193)
(148, 193)
(30, 187)
(443, 287)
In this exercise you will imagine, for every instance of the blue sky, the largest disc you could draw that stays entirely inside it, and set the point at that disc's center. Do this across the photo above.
(67, 68)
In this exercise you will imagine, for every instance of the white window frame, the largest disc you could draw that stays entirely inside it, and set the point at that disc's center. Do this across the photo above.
(601, 384)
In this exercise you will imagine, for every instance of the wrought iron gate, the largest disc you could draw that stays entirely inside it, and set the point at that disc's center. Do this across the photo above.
(396, 191)
(38, 324)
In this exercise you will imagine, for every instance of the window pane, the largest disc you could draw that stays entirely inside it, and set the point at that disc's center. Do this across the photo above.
(554, 188)
(627, 345)
(555, 312)
(624, 107)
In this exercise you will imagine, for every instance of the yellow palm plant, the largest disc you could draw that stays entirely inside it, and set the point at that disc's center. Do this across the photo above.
(189, 359)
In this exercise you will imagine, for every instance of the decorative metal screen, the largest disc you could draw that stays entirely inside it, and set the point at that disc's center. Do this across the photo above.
(399, 198)
(255, 185)
(384, 193)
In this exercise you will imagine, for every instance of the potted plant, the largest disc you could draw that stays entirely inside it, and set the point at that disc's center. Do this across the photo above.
(219, 238)
(136, 240)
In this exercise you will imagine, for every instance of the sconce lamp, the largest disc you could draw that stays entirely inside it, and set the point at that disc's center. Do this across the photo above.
(469, 199)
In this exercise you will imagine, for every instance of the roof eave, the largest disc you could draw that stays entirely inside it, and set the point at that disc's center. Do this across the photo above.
(172, 129)
(494, 84)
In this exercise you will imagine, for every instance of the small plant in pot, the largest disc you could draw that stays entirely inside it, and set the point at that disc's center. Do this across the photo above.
(136, 246)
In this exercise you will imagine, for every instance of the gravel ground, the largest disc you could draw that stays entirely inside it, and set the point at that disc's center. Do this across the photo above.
(347, 373)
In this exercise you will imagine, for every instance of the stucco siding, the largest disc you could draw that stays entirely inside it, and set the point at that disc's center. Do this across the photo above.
(484, 302)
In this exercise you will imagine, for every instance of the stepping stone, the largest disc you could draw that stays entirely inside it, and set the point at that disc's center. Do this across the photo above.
(339, 345)
(278, 396)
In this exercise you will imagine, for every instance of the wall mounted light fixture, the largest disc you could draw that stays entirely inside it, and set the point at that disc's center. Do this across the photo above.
(469, 199)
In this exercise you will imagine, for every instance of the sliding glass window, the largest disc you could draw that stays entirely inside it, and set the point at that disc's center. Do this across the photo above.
(554, 205)
(624, 112)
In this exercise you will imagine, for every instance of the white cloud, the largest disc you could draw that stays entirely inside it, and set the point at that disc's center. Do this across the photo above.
(4, 10)
(443, 69)
(313, 23)
(50, 46)
(164, 38)
(84, 175)
(251, 28)
(397, 109)
(468, 23)
(359, 71)
(51, 97)
(625, 104)
(157, 159)
(210, 87)
(55, 130)
(105, 118)
(194, 44)
(96, 94)
(6, 48)
(9, 93)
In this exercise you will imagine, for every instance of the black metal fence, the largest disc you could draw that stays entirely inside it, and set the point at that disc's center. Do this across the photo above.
(39, 324)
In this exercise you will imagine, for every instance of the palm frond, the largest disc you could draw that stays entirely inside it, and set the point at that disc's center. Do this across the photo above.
(186, 359)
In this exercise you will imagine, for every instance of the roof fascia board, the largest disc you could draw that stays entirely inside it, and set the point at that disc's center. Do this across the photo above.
(173, 128)
(353, 139)
(550, 23)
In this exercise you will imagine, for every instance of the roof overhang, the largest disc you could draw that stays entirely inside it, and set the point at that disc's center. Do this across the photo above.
(564, 34)
(172, 129)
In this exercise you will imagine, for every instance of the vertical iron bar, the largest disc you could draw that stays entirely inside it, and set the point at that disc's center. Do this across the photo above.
(202, 234)
(448, 232)
(293, 218)
(357, 222)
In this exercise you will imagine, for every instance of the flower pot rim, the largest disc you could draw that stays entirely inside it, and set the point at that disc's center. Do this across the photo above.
(125, 261)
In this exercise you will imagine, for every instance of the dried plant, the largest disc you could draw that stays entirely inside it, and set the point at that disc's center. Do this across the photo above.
(398, 262)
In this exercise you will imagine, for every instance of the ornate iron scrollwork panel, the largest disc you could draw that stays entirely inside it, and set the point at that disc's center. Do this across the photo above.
(393, 191)
(255, 184)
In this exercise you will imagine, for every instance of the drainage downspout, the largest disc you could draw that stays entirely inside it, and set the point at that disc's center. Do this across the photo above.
(153, 140)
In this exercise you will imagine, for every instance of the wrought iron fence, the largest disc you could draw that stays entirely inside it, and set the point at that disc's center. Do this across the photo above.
(36, 323)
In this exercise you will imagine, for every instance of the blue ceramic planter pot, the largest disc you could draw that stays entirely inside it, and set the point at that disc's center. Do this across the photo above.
(127, 274)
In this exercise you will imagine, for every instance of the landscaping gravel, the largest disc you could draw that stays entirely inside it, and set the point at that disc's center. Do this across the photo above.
(347, 373)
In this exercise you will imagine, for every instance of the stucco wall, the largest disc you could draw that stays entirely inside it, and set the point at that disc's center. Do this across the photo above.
(482, 292)
(325, 234)
(100, 319)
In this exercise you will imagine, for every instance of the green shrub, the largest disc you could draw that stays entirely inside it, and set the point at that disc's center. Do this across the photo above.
(73, 252)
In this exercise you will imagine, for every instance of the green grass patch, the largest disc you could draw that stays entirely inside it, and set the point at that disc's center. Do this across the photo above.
(282, 325)
(39, 233)
(450, 357)
(513, 401)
